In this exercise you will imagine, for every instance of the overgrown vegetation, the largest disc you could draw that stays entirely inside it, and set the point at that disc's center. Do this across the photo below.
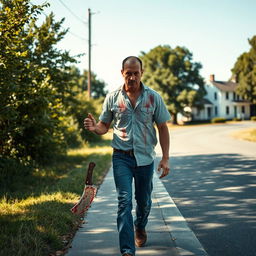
(43, 102)
(35, 214)
(42, 95)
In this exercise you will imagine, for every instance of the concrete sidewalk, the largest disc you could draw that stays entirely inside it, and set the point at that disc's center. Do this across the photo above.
(168, 232)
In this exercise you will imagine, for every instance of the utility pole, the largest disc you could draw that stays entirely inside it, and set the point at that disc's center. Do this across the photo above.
(89, 53)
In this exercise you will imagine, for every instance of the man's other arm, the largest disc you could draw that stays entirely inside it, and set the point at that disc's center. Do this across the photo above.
(164, 140)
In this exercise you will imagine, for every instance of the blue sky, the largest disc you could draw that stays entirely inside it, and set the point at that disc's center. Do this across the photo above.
(215, 31)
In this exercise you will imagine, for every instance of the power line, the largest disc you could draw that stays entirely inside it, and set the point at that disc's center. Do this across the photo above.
(78, 18)
(79, 37)
(68, 31)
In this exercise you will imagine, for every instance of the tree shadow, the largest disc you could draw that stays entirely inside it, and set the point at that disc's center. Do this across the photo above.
(216, 195)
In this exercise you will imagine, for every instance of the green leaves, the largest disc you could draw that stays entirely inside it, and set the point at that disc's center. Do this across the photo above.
(34, 82)
(244, 71)
(175, 76)
(42, 96)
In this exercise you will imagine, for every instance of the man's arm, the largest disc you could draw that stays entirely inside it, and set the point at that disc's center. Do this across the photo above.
(99, 128)
(164, 139)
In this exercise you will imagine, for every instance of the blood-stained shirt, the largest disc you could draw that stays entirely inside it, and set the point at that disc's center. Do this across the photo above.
(134, 127)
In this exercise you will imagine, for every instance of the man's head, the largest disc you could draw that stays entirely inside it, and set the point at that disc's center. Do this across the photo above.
(132, 72)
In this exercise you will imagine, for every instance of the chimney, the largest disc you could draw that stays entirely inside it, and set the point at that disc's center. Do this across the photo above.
(212, 78)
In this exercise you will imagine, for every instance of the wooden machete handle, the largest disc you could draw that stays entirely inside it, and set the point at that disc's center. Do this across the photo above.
(88, 180)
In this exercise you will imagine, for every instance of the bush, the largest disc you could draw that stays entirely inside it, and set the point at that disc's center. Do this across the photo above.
(218, 120)
(10, 169)
(237, 119)
(34, 84)
(253, 118)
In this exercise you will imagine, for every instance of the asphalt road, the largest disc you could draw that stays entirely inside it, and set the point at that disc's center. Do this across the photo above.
(213, 183)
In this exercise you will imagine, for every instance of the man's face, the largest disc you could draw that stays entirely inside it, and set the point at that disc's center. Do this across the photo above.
(132, 75)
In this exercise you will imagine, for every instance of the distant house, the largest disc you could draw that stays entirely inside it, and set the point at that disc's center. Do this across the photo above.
(222, 101)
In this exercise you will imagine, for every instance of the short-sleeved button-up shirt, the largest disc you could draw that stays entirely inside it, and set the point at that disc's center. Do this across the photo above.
(134, 127)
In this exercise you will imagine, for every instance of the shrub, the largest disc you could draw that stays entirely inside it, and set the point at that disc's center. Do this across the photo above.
(34, 84)
(218, 120)
(10, 169)
(253, 118)
(237, 119)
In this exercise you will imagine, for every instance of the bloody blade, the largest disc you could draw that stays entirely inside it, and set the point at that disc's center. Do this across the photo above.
(88, 194)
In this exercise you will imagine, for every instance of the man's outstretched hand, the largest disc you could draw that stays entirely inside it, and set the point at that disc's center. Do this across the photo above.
(90, 123)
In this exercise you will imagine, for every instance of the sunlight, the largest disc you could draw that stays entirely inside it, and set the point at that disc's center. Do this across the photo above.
(212, 225)
(240, 173)
(102, 230)
(235, 189)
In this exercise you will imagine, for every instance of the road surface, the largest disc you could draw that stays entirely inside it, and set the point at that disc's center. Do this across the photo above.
(213, 183)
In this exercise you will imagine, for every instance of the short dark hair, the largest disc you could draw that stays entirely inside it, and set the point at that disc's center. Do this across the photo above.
(132, 57)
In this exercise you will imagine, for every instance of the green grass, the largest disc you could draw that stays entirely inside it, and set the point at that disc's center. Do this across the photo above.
(35, 216)
(248, 134)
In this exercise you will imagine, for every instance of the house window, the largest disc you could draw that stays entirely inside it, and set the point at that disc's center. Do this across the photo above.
(235, 111)
(215, 95)
(243, 109)
(234, 96)
(216, 111)
(227, 110)
(227, 95)
(209, 112)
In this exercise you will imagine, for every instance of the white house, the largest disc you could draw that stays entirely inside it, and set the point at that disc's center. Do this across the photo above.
(222, 101)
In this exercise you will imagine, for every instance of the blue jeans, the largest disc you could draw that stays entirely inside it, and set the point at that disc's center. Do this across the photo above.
(125, 169)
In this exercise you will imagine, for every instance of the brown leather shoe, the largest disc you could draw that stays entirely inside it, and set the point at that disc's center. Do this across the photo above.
(140, 237)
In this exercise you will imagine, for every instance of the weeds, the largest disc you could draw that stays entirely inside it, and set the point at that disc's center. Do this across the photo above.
(35, 215)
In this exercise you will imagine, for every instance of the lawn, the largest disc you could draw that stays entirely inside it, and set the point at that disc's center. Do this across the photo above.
(248, 134)
(35, 216)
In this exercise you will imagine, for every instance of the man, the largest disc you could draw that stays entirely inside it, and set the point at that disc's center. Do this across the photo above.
(133, 108)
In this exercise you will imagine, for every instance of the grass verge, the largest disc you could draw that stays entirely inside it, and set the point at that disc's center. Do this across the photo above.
(248, 134)
(35, 215)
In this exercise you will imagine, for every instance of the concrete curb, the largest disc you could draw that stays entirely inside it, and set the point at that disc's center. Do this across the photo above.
(185, 240)
(167, 229)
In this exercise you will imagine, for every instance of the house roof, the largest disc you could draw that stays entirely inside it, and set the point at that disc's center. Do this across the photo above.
(228, 86)
(206, 101)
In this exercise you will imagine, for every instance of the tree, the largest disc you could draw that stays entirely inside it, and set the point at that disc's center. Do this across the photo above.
(80, 83)
(172, 73)
(244, 72)
(34, 84)
(98, 87)
(80, 105)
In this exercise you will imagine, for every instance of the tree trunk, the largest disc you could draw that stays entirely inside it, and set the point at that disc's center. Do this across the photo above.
(174, 118)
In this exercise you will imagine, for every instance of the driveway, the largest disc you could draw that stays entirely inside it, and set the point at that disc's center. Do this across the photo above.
(213, 183)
